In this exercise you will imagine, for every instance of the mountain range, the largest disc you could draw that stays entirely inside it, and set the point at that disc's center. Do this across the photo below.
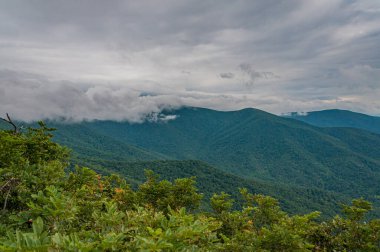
(308, 162)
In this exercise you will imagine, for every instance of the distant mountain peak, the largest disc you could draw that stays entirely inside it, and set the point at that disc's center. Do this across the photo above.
(338, 118)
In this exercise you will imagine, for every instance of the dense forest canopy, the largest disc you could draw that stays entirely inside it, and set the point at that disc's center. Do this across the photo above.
(46, 207)
(248, 143)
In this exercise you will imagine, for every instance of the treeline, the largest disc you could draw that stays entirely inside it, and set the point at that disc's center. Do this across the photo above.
(293, 199)
(44, 208)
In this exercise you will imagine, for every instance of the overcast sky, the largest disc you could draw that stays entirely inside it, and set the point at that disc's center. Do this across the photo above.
(122, 60)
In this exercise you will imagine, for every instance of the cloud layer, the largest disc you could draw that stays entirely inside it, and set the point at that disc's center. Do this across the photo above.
(124, 60)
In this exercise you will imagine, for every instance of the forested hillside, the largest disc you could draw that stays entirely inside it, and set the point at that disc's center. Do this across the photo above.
(293, 199)
(88, 143)
(249, 143)
(44, 208)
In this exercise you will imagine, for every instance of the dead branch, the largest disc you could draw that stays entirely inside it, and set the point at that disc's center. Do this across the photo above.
(8, 186)
(9, 120)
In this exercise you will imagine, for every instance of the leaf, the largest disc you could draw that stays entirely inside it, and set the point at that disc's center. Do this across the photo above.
(38, 226)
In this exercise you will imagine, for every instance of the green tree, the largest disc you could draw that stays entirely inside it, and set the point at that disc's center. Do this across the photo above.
(29, 162)
(163, 194)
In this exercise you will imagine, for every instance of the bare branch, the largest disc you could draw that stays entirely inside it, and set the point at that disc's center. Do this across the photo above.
(9, 120)
(8, 186)
(6, 200)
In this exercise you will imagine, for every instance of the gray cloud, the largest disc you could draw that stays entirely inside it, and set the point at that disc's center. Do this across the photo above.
(228, 75)
(253, 75)
(104, 60)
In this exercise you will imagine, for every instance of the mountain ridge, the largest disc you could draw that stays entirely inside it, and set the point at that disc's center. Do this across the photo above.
(339, 118)
(256, 144)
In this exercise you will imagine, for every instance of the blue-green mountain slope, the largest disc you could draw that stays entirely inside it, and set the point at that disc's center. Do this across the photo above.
(254, 144)
(339, 118)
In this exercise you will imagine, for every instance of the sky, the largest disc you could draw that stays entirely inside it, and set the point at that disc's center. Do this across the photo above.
(123, 60)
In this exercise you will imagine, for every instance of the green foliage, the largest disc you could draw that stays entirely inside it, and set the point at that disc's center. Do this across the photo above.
(357, 210)
(37, 240)
(55, 207)
(163, 194)
(86, 211)
(293, 199)
(221, 203)
(28, 163)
